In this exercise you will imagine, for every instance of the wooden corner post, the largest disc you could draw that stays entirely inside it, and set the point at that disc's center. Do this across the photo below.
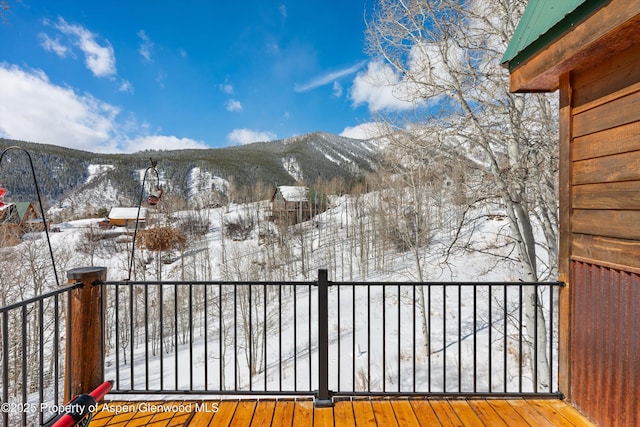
(84, 368)
(565, 236)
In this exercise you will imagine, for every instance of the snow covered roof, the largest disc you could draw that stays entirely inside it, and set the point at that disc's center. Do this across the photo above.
(294, 193)
(127, 213)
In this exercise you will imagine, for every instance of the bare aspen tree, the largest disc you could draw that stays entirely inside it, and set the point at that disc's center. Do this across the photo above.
(442, 57)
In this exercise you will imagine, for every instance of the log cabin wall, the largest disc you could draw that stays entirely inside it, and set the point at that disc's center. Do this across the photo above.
(604, 237)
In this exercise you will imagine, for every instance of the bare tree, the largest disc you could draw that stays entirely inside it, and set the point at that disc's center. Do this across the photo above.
(443, 58)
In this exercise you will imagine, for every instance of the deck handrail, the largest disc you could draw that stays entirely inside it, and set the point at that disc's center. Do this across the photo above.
(33, 378)
(316, 338)
(311, 311)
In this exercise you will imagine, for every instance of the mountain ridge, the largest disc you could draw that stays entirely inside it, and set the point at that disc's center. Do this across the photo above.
(69, 178)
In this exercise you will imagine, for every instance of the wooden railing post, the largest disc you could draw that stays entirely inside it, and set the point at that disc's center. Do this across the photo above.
(84, 368)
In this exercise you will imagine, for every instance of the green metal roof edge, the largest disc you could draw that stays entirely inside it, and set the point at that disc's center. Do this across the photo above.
(570, 20)
(22, 208)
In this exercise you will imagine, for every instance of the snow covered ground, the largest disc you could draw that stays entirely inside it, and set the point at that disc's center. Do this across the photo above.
(200, 339)
(376, 340)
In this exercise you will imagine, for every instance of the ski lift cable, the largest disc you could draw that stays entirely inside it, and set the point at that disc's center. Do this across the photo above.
(44, 220)
(157, 196)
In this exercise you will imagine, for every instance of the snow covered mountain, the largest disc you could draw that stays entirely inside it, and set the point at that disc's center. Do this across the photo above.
(75, 183)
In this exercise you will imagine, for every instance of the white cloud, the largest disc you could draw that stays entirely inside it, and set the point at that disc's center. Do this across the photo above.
(34, 109)
(161, 78)
(55, 46)
(226, 88)
(100, 59)
(381, 88)
(328, 78)
(365, 130)
(337, 89)
(247, 136)
(234, 105)
(126, 86)
(161, 142)
(145, 46)
(283, 10)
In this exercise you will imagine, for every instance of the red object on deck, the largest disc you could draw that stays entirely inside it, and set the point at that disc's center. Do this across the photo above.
(100, 392)
(71, 419)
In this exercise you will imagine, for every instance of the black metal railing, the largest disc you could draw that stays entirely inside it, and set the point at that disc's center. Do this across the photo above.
(331, 338)
(209, 337)
(316, 338)
(32, 362)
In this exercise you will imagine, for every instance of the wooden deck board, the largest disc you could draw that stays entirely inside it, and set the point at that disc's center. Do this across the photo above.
(363, 413)
(384, 414)
(404, 413)
(244, 413)
(263, 415)
(283, 413)
(445, 413)
(425, 413)
(487, 414)
(466, 413)
(509, 414)
(530, 413)
(550, 412)
(344, 413)
(323, 417)
(567, 411)
(303, 413)
(181, 420)
(224, 414)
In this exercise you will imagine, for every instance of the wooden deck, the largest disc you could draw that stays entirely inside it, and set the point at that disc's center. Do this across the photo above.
(360, 412)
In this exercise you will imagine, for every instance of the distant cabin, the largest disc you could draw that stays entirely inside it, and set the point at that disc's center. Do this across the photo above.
(291, 204)
(23, 215)
(16, 219)
(126, 217)
(30, 220)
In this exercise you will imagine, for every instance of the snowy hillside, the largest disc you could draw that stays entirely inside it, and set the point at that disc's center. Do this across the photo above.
(202, 342)
(334, 240)
(77, 183)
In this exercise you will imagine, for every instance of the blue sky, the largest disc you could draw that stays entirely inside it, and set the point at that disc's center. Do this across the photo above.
(115, 76)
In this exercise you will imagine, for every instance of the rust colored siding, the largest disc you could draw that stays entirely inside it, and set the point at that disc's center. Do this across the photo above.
(605, 348)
